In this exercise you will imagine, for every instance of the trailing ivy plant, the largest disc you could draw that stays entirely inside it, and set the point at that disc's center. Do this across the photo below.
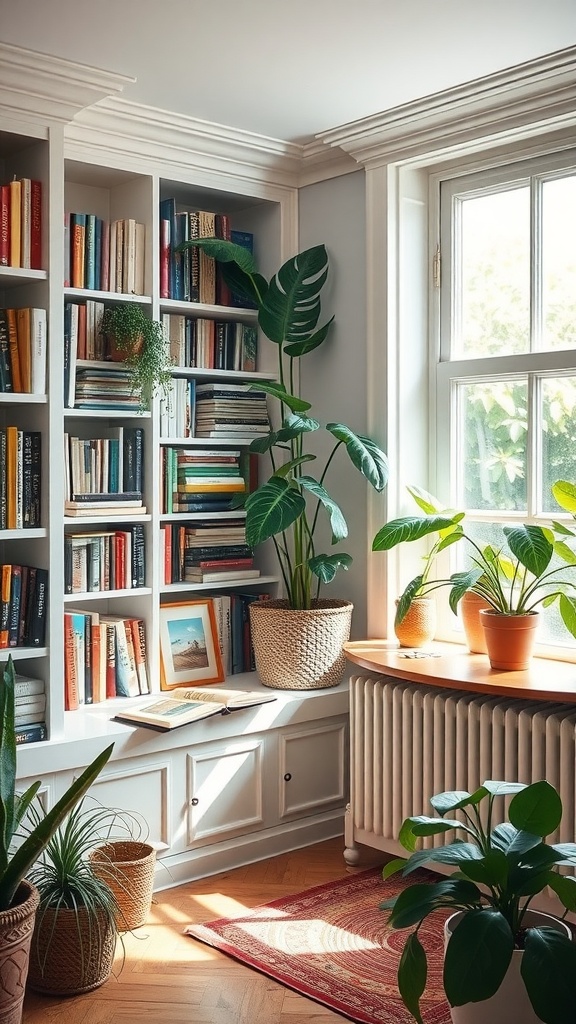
(143, 348)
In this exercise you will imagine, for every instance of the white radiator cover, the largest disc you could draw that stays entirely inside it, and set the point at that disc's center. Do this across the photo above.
(410, 741)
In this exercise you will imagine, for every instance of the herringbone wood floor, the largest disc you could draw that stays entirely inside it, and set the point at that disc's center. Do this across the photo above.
(169, 978)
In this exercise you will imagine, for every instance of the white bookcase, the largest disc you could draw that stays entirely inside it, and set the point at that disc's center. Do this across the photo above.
(224, 791)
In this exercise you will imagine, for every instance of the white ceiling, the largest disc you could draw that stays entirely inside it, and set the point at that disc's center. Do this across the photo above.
(290, 68)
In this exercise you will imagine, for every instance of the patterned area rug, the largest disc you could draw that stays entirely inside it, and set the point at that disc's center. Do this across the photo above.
(331, 943)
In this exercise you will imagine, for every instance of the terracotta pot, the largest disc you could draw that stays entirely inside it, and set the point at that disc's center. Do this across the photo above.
(510, 639)
(300, 649)
(470, 606)
(16, 928)
(118, 353)
(419, 624)
(510, 1004)
(72, 951)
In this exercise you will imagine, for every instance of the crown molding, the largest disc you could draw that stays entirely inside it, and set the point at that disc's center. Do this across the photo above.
(139, 133)
(36, 86)
(532, 97)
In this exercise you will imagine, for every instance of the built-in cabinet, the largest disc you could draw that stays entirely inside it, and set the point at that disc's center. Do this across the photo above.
(229, 789)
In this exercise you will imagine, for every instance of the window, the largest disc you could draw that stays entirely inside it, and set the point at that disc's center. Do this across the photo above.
(506, 371)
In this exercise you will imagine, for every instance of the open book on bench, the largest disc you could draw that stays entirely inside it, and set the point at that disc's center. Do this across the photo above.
(189, 704)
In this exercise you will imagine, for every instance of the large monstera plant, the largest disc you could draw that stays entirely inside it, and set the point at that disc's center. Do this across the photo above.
(287, 507)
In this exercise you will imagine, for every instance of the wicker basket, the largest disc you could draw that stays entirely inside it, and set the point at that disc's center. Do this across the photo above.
(127, 866)
(300, 650)
(72, 951)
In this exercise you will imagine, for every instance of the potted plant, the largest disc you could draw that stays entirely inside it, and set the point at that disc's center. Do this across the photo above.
(415, 618)
(18, 897)
(77, 909)
(495, 950)
(286, 508)
(513, 580)
(139, 342)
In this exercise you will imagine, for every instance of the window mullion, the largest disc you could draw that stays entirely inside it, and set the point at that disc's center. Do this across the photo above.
(536, 264)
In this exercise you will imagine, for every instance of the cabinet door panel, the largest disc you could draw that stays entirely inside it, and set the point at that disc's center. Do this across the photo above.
(225, 791)
(143, 790)
(312, 775)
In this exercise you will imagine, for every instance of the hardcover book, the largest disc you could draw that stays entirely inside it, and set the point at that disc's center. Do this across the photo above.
(190, 705)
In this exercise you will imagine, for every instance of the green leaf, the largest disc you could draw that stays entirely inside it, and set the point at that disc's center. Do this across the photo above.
(512, 842)
(325, 567)
(337, 521)
(455, 853)
(291, 307)
(530, 546)
(565, 494)
(412, 973)
(536, 809)
(272, 387)
(409, 528)
(7, 762)
(567, 607)
(300, 348)
(271, 510)
(461, 583)
(491, 870)
(565, 888)
(503, 788)
(564, 552)
(548, 970)
(452, 800)
(405, 599)
(392, 866)
(426, 501)
(477, 958)
(423, 825)
(364, 453)
(418, 901)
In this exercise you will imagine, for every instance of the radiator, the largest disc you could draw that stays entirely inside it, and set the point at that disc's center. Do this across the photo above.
(410, 741)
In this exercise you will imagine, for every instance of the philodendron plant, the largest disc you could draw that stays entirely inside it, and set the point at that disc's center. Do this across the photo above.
(499, 869)
(287, 506)
(16, 861)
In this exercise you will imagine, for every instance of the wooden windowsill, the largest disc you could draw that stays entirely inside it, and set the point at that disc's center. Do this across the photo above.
(454, 667)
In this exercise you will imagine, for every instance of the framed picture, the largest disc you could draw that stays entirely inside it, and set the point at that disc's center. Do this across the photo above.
(189, 648)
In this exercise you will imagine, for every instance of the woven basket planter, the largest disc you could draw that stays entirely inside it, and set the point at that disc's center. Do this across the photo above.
(72, 951)
(127, 867)
(16, 927)
(300, 650)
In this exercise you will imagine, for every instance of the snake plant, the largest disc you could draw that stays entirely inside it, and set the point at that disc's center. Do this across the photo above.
(286, 508)
(15, 862)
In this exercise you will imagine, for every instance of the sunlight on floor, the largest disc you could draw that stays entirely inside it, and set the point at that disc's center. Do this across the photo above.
(312, 936)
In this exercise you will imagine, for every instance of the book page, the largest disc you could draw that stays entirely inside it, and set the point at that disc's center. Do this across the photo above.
(220, 696)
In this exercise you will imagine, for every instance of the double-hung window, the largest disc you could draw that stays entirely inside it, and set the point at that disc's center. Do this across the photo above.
(506, 369)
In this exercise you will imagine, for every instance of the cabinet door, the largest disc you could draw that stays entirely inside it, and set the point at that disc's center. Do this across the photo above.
(312, 768)
(225, 795)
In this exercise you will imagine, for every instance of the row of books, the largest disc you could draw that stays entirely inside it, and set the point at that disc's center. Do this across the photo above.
(192, 276)
(23, 351)
(20, 478)
(105, 256)
(205, 479)
(23, 605)
(234, 634)
(105, 656)
(103, 560)
(104, 466)
(230, 410)
(21, 224)
(211, 344)
(192, 551)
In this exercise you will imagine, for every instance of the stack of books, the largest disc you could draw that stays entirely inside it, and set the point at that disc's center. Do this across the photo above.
(207, 552)
(23, 351)
(205, 480)
(29, 709)
(105, 656)
(231, 410)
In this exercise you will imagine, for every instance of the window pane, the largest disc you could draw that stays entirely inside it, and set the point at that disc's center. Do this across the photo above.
(495, 274)
(559, 263)
(558, 435)
(492, 453)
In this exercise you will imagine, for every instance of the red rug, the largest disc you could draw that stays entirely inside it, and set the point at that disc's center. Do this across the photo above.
(331, 943)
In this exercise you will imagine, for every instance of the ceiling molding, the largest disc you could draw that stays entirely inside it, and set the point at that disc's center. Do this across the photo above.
(142, 133)
(37, 86)
(532, 97)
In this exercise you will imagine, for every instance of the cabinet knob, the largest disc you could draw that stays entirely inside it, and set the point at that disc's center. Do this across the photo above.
(287, 777)
(194, 801)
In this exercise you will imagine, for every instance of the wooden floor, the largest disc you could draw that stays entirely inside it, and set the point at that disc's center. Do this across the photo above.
(169, 978)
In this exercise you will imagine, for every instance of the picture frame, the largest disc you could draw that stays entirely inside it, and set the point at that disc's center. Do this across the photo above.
(189, 647)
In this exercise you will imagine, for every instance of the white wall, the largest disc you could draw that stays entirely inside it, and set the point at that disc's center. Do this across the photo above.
(334, 377)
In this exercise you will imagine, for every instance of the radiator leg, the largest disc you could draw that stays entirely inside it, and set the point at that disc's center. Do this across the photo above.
(351, 851)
